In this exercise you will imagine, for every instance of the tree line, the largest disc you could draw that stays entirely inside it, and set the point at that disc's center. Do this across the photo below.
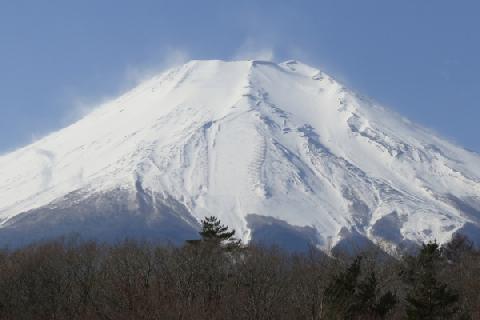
(218, 278)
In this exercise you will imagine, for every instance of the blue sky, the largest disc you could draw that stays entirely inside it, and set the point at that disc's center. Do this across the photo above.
(59, 58)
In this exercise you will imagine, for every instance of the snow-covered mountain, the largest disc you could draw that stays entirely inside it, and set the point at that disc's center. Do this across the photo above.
(278, 151)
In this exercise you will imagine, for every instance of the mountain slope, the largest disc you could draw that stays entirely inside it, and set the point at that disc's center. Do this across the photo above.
(263, 146)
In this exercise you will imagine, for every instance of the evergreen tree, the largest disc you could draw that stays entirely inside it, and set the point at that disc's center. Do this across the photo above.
(350, 297)
(428, 298)
(369, 301)
(339, 295)
(213, 231)
(457, 248)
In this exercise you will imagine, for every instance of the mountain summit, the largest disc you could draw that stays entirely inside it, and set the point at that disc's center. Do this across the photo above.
(280, 152)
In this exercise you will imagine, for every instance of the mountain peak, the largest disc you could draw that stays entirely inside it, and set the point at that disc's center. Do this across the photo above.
(259, 144)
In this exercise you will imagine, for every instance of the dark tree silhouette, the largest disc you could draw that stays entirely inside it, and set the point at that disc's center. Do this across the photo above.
(213, 231)
(351, 297)
(457, 247)
(428, 298)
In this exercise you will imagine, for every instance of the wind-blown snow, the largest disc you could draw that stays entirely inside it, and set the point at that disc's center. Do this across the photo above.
(236, 139)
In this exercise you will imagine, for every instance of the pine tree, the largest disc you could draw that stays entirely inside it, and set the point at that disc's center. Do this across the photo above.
(339, 295)
(428, 298)
(350, 297)
(369, 301)
(213, 231)
(457, 248)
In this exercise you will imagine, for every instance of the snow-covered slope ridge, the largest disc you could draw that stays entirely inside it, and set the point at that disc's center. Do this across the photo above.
(253, 138)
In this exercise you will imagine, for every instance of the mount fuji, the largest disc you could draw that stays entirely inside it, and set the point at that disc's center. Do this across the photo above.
(283, 153)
